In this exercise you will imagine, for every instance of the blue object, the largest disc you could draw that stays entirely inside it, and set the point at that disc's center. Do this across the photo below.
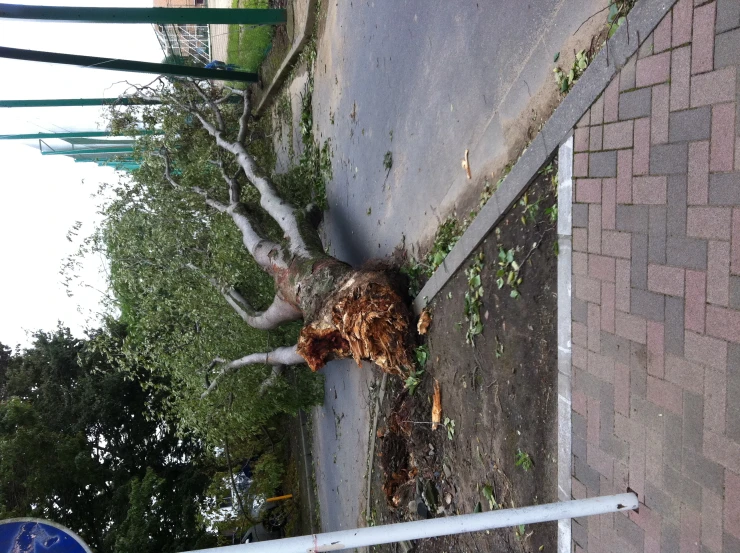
(217, 64)
(32, 535)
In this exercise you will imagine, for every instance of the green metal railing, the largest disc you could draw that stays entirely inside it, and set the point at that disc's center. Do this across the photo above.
(181, 16)
(82, 102)
(69, 102)
(78, 134)
(88, 151)
(128, 65)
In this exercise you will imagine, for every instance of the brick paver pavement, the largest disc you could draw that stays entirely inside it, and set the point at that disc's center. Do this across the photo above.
(656, 282)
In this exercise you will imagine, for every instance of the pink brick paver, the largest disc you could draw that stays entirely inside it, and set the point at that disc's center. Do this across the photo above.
(656, 283)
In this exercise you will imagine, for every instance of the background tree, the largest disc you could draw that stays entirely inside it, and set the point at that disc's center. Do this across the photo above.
(4, 364)
(82, 443)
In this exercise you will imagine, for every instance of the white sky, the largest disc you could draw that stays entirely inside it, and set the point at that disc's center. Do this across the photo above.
(41, 197)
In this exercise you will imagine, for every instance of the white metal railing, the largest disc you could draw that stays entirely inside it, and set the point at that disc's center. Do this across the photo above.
(389, 533)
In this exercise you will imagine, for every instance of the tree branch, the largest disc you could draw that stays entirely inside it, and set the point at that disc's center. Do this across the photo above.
(278, 313)
(234, 186)
(233, 483)
(198, 190)
(220, 125)
(243, 120)
(277, 371)
(280, 210)
(279, 356)
(263, 251)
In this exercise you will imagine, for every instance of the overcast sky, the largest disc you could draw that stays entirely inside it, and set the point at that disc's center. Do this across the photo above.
(41, 197)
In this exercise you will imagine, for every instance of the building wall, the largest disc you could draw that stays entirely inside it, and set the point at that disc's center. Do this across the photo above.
(176, 3)
(182, 35)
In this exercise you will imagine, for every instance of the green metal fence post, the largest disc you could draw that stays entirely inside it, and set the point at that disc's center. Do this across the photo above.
(108, 142)
(77, 102)
(79, 134)
(87, 151)
(128, 65)
(177, 16)
(70, 102)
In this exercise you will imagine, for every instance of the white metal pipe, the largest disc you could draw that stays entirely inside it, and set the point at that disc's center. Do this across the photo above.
(376, 535)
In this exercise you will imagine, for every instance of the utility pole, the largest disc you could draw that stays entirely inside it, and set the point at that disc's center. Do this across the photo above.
(177, 16)
(128, 65)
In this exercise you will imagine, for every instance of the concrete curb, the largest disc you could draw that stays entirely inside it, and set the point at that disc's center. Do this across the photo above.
(373, 430)
(565, 228)
(304, 33)
(307, 464)
(641, 21)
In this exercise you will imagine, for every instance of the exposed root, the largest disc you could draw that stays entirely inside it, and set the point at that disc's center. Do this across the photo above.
(365, 319)
(399, 486)
(319, 345)
(399, 421)
(398, 464)
(399, 471)
(425, 320)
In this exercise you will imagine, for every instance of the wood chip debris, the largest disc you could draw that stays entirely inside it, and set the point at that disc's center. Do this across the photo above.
(425, 319)
(436, 406)
(466, 164)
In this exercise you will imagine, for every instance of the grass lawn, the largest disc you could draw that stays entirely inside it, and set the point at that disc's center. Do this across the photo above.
(248, 46)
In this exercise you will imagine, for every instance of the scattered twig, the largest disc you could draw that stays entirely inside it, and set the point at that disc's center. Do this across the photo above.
(590, 18)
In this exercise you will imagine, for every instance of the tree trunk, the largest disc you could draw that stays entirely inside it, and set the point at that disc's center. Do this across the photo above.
(347, 312)
(352, 313)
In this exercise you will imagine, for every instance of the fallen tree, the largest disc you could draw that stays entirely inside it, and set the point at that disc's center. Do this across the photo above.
(347, 312)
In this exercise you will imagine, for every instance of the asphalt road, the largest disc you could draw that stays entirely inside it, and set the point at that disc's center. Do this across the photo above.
(423, 80)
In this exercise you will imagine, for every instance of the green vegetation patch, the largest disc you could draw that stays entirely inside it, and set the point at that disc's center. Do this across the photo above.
(248, 45)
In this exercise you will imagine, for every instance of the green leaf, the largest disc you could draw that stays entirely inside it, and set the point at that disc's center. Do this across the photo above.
(613, 11)
(556, 58)
(421, 356)
(488, 493)
(514, 294)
